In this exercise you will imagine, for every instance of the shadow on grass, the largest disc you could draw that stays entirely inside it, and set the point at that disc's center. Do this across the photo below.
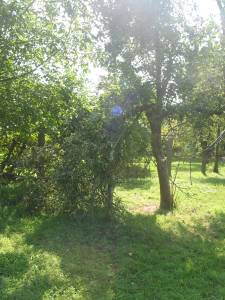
(13, 264)
(212, 180)
(13, 219)
(157, 264)
(132, 258)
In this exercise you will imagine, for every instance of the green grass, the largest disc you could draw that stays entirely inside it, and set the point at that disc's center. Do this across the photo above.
(143, 255)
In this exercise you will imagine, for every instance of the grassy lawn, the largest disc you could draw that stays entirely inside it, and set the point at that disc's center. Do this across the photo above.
(143, 255)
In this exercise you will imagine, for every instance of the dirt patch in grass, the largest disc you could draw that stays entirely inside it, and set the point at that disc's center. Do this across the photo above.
(150, 208)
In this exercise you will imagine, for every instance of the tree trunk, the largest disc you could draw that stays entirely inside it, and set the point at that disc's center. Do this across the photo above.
(110, 199)
(190, 172)
(205, 157)
(204, 164)
(169, 152)
(166, 199)
(217, 154)
(110, 185)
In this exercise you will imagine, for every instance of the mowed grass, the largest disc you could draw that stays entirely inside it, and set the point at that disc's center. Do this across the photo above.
(142, 255)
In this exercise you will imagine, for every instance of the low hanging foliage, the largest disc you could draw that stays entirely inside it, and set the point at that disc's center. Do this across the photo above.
(86, 166)
(96, 147)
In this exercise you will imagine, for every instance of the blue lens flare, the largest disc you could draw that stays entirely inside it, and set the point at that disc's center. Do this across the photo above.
(116, 111)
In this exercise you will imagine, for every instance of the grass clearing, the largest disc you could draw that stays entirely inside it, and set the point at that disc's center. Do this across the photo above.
(143, 255)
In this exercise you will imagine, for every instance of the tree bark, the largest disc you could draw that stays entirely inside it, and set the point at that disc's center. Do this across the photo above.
(190, 172)
(204, 164)
(166, 199)
(205, 157)
(169, 152)
(110, 199)
(217, 154)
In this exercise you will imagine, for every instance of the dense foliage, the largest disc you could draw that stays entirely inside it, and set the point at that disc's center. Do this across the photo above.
(65, 149)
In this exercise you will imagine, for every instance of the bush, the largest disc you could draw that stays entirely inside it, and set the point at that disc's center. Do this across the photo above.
(84, 173)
